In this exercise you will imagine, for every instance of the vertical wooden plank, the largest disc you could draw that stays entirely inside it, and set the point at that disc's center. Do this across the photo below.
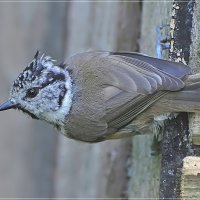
(96, 170)
(190, 179)
(145, 176)
(194, 63)
(27, 147)
(176, 142)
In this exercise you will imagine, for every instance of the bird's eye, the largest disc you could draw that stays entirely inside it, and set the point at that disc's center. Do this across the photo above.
(32, 92)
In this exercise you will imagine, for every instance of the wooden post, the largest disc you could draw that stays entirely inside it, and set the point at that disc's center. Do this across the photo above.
(179, 171)
(145, 176)
(190, 179)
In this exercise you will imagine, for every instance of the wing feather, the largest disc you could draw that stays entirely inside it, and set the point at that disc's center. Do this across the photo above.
(132, 86)
(176, 69)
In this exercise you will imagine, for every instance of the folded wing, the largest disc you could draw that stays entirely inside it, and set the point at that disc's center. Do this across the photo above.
(133, 84)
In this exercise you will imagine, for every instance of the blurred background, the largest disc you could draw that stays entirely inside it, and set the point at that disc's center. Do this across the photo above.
(36, 161)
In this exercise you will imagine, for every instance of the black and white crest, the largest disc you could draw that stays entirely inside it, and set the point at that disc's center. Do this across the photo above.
(34, 70)
(44, 90)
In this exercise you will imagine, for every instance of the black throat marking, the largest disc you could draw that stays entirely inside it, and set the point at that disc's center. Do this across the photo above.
(28, 113)
(62, 94)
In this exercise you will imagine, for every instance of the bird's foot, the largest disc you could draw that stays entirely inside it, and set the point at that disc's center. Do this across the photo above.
(158, 135)
(162, 43)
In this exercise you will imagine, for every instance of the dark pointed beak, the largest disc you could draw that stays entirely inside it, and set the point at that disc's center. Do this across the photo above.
(7, 105)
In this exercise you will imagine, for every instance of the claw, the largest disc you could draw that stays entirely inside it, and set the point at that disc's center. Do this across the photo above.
(158, 134)
(155, 146)
(162, 43)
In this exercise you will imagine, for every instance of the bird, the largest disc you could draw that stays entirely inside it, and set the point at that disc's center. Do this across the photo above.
(100, 95)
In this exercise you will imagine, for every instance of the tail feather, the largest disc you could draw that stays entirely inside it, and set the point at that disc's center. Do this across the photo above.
(187, 99)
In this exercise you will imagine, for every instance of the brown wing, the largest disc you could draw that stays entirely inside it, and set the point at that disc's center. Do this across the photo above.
(131, 87)
(176, 69)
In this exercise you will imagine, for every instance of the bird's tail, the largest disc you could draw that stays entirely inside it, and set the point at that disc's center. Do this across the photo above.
(186, 100)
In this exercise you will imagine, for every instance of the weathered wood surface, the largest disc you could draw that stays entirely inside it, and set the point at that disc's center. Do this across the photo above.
(194, 124)
(27, 147)
(145, 176)
(190, 178)
(34, 160)
(97, 170)
(176, 143)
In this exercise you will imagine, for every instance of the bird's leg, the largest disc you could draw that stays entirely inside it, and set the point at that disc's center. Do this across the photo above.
(162, 43)
(158, 135)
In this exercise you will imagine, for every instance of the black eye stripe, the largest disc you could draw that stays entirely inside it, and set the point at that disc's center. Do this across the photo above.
(32, 92)
(59, 76)
(62, 95)
(48, 82)
(51, 77)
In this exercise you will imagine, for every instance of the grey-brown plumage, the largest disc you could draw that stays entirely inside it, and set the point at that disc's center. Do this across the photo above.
(111, 89)
(108, 94)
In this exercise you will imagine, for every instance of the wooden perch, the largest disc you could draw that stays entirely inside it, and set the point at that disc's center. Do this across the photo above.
(190, 178)
(180, 172)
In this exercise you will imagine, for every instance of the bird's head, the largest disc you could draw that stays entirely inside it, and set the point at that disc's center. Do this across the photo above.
(43, 90)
